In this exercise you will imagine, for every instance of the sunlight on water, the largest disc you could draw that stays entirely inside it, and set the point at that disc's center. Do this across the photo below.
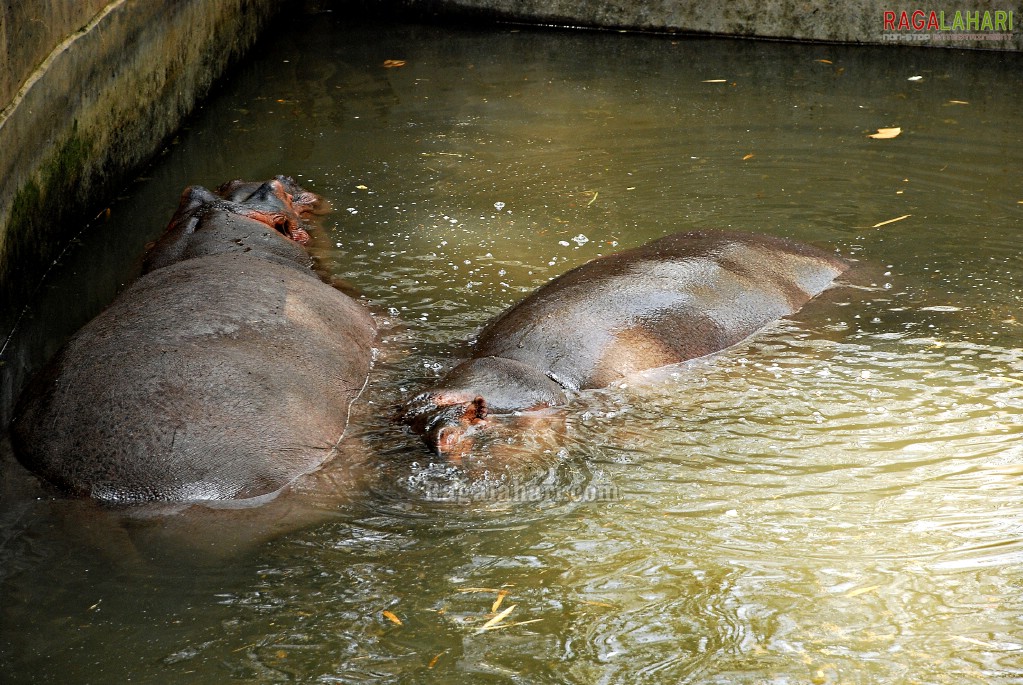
(833, 501)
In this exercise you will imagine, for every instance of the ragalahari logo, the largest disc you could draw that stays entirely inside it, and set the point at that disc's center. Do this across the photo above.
(962, 25)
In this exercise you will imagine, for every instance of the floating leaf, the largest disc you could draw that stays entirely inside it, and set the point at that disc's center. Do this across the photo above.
(497, 602)
(885, 133)
(958, 102)
(599, 604)
(497, 619)
(891, 221)
(749, 156)
(390, 616)
(860, 591)
(825, 61)
(915, 78)
(510, 625)
(391, 63)
(434, 660)
(716, 80)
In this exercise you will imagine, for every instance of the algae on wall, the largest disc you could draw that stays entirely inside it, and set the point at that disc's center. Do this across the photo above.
(83, 104)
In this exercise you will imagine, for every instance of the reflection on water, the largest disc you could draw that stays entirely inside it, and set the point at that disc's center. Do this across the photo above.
(835, 501)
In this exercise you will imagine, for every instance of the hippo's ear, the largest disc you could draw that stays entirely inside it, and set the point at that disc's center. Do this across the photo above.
(194, 197)
(477, 409)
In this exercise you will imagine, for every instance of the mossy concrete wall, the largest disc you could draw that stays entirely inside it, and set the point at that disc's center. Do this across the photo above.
(855, 21)
(89, 90)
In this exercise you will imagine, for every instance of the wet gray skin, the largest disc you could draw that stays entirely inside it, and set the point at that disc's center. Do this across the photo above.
(224, 373)
(677, 298)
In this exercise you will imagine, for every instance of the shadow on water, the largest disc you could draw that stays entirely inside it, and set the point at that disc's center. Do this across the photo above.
(832, 501)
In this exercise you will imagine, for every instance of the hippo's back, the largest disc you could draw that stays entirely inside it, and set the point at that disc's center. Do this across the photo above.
(677, 298)
(222, 377)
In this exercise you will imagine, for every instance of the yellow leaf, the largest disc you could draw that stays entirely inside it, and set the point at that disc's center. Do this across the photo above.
(390, 616)
(509, 625)
(958, 102)
(891, 221)
(599, 604)
(885, 133)
(716, 80)
(497, 602)
(391, 63)
(749, 156)
(434, 660)
(825, 61)
(497, 619)
(859, 591)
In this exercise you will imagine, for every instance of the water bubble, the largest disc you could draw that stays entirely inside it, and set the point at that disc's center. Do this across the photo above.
(580, 239)
(499, 206)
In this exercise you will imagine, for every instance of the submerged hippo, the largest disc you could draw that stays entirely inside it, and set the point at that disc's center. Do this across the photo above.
(677, 298)
(224, 373)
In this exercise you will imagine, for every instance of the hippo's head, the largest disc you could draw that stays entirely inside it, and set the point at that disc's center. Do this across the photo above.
(447, 422)
(207, 221)
(450, 415)
(280, 203)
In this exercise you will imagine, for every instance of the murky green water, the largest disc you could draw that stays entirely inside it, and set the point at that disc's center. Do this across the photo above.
(835, 501)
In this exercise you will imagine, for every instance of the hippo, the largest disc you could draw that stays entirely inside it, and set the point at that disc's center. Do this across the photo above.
(680, 297)
(223, 374)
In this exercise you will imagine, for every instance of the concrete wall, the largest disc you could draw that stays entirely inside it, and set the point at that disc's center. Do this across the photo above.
(89, 90)
(855, 21)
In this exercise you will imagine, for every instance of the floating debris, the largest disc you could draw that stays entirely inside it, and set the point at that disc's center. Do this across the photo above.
(891, 221)
(497, 619)
(497, 602)
(886, 133)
